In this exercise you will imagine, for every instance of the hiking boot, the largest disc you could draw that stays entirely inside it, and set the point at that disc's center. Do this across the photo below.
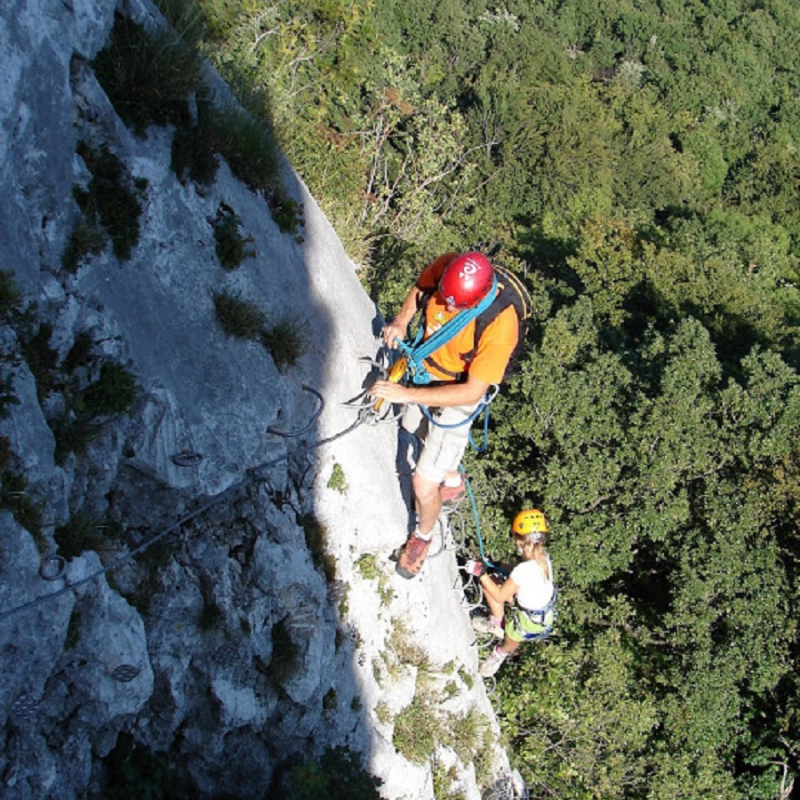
(492, 663)
(411, 559)
(483, 624)
(454, 494)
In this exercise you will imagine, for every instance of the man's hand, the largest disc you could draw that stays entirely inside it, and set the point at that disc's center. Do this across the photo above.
(392, 392)
(392, 332)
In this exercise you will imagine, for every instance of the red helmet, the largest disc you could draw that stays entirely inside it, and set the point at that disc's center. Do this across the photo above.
(466, 280)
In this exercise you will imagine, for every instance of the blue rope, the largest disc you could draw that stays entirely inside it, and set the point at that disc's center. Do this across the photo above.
(478, 449)
(485, 446)
(484, 558)
(417, 352)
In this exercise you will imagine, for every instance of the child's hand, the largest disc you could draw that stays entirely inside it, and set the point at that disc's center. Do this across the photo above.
(475, 568)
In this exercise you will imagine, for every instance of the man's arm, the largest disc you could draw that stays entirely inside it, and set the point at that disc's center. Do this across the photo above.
(451, 394)
(397, 328)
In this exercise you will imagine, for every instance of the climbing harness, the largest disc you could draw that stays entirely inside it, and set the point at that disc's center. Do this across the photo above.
(536, 617)
(488, 398)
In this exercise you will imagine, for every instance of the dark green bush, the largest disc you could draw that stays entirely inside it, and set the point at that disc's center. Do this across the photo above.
(7, 396)
(73, 637)
(5, 453)
(87, 239)
(16, 498)
(72, 434)
(330, 702)
(339, 775)
(84, 532)
(231, 247)
(148, 74)
(40, 358)
(285, 341)
(114, 392)
(9, 294)
(136, 773)
(113, 197)
(316, 537)
(238, 317)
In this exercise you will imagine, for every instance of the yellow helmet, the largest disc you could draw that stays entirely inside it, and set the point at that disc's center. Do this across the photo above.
(531, 520)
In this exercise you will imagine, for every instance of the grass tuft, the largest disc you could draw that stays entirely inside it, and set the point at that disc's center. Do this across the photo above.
(285, 341)
(239, 318)
(417, 731)
(148, 75)
(316, 537)
(337, 481)
(248, 146)
(287, 214)
(193, 153)
(84, 532)
(231, 247)
(87, 239)
(113, 198)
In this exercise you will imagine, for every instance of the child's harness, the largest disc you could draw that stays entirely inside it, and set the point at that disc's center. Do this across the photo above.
(536, 617)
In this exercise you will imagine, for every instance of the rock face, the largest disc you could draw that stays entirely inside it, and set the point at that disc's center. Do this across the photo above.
(204, 577)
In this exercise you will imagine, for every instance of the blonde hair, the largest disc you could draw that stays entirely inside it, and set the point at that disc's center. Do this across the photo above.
(532, 546)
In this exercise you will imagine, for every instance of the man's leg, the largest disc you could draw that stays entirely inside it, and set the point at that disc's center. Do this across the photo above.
(442, 451)
(428, 502)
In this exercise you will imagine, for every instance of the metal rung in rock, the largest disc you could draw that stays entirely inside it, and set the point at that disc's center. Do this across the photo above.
(125, 673)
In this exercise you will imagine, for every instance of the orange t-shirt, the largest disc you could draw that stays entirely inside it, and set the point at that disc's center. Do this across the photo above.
(494, 348)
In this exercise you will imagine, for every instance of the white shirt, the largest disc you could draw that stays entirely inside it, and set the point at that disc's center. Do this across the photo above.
(535, 591)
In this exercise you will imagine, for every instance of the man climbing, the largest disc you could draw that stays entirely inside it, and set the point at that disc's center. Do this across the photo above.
(530, 583)
(461, 371)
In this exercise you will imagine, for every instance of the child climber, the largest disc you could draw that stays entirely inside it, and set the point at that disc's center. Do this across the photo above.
(530, 582)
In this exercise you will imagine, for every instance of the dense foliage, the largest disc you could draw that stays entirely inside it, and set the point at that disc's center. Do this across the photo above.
(639, 161)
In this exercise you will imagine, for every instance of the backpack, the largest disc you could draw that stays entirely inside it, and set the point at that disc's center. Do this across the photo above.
(512, 292)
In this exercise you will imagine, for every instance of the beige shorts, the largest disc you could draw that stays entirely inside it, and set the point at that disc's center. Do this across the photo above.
(442, 448)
